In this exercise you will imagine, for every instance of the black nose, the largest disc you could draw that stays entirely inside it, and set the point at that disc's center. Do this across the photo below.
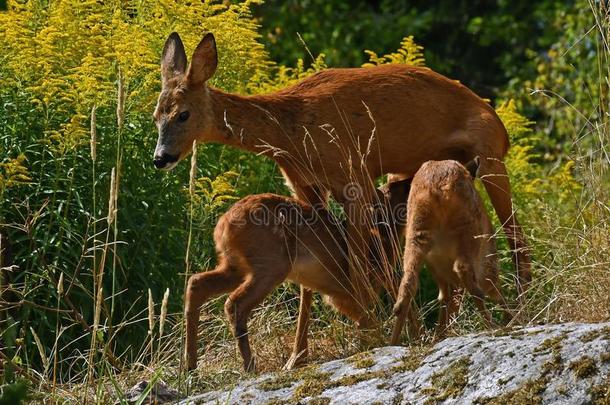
(160, 161)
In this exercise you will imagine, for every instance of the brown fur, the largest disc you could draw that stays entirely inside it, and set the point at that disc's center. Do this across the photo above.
(449, 230)
(266, 239)
(338, 127)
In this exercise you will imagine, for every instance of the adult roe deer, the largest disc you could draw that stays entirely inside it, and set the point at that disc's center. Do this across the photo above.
(265, 239)
(448, 229)
(322, 134)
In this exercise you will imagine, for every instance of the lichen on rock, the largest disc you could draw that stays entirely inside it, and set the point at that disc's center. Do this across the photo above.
(565, 363)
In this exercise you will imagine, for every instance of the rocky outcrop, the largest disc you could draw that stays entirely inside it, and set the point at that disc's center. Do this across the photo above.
(551, 364)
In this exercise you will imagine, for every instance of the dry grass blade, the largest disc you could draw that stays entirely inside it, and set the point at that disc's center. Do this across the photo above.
(163, 312)
(41, 351)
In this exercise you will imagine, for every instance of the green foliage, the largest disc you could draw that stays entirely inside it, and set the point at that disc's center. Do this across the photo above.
(564, 93)
(213, 195)
(483, 44)
(283, 76)
(14, 393)
(533, 184)
(409, 53)
(13, 173)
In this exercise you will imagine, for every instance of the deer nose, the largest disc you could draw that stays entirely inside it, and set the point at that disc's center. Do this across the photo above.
(161, 161)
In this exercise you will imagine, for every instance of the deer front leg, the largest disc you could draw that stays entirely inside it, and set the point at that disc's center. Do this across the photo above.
(357, 202)
(315, 196)
(201, 288)
(299, 352)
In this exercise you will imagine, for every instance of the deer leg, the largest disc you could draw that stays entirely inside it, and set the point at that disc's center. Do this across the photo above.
(299, 352)
(405, 303)
(451, 305)
(357, 204)
(495, 179)
(238, 307)
(466, 273)
(445, 296)
(201, 288)
(314, 196)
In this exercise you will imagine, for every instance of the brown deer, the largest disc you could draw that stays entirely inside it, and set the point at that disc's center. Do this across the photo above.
(339, 127)
(265, 239)
(448, 229)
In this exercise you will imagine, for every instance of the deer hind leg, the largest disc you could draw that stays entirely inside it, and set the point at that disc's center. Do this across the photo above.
(450, 299)
(466, 272)
(495, 179)
(405, 303)
(201, 288)
(300, 351)
(452, 304)
(238, 307)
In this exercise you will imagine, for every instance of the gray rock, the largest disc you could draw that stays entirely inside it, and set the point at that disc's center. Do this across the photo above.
(160, 393)
(550, 364)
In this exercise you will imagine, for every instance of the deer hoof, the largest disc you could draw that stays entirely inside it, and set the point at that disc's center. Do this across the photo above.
(295, 361)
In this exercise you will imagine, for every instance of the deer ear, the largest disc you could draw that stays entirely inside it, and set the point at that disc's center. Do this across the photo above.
(473, 167)
(173, 58)
(204, 61)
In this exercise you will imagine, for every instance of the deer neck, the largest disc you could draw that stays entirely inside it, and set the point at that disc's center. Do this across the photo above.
(257, 124)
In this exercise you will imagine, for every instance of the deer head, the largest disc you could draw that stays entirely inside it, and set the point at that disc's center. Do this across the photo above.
(183, 113)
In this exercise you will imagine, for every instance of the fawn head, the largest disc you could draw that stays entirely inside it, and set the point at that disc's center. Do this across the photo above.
(183, 113)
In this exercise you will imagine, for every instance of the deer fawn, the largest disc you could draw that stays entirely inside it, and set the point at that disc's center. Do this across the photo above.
(265, 239)
(337, 127)
(448, 229)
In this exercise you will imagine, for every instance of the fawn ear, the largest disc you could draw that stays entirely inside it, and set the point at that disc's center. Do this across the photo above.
(173, 58)
(204, 61)
(473, 167)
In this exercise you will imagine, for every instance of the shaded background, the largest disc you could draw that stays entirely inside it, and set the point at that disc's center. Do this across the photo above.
(481, 43)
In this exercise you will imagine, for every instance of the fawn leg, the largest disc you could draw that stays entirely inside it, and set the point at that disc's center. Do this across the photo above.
(444, 299)
(238, 307)
(466, 272)
(201, 288)
(404, 306)
(450, 305)
(299, 351)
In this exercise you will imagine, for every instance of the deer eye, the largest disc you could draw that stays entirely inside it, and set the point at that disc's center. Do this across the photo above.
(183, 116)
